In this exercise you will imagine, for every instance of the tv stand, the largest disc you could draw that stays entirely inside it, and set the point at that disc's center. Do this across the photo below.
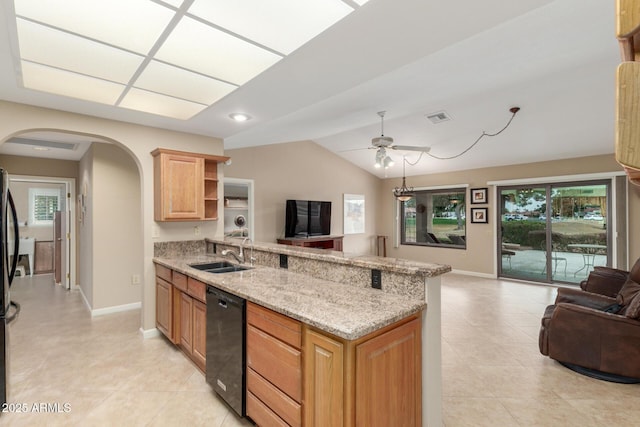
(323, 242)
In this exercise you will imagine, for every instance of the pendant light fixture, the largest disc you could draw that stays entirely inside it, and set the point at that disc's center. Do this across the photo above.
(403, 193)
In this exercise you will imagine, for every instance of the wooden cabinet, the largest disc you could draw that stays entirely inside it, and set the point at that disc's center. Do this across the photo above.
(274, 368)
(181, 312)
(373, 381)
(44, 257)
(186, 323)
(185, 185)
(388, 378)
(193, 322)
(324, 380)
(199, 324)
(164, 307)
(322, 242)
(627, 130)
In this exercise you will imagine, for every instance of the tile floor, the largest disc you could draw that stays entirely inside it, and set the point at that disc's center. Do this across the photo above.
(108, 375)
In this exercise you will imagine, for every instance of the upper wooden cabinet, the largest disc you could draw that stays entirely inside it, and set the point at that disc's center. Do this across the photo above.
(185, 185)
(627, 133)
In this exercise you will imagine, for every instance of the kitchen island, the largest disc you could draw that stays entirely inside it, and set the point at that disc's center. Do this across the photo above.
(350, 315)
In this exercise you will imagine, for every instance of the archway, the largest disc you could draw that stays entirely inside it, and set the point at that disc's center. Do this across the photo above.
(107, 211)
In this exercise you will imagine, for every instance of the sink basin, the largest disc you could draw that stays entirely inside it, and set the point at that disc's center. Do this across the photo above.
(219, 267)
(211, 265)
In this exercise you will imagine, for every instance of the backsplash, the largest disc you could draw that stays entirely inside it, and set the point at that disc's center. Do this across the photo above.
(180, 248)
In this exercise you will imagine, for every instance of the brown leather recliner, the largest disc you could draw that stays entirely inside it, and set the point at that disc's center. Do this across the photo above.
(597, 334)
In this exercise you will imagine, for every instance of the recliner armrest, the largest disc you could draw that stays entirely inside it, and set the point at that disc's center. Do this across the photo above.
(605, 281)
(582, 298)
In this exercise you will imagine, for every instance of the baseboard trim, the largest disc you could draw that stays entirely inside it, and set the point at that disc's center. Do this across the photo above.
(115, 309)
(149, 333)
(84, 298)
(474, 274)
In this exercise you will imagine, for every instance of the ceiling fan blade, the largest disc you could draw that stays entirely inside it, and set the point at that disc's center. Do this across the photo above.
(410, 148)
(356, 149)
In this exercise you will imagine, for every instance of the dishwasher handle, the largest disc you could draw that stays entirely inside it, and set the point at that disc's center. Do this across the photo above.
(224, 299)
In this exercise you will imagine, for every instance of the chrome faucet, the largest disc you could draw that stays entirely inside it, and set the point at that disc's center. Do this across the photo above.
(240, 255)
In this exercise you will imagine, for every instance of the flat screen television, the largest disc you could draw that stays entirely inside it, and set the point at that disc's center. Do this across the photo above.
(306, 218)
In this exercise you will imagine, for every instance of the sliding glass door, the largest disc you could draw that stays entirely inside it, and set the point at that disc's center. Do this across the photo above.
(553, 232)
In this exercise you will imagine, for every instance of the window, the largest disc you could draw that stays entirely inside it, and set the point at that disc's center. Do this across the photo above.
(434, 218)
(43, 203)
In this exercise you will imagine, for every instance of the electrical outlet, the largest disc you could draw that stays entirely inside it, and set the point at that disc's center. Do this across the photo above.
(196, 230)
(376, 279)
(155, 231)
(284, 261)
(135, 279)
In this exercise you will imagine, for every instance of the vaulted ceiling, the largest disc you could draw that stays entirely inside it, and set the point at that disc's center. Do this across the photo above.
(473, 60)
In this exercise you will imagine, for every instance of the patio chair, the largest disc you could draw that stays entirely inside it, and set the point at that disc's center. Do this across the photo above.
(555, 259)
(456, 240)
(506, 253)
(431, 238)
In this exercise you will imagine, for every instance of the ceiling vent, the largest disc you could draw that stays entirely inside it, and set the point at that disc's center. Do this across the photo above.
(43, 143)
(440, 116)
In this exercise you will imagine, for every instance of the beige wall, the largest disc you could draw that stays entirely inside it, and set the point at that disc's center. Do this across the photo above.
(304, 170)
(85, 229)
(138, 141)
(16, 165)
(479, 257)
(112, 227)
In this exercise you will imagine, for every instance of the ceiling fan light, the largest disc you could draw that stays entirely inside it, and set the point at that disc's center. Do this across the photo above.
(388, 162)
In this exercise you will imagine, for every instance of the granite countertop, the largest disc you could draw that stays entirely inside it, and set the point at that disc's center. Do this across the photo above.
(346, 311)
(367, 261)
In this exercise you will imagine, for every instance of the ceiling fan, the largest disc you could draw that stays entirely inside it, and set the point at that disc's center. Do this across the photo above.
(382, 143)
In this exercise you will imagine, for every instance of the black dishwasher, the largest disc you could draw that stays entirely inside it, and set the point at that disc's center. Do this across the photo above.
(225, 347)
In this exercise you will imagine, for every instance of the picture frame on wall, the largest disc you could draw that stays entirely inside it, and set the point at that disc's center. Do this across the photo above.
(353, 214)
(479, 196)
(480, 215)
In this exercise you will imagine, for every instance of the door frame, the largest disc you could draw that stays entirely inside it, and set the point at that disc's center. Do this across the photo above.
(249, 183)
(69, 282)
(612, 225)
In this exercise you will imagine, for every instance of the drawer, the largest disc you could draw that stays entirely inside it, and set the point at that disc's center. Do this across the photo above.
(282, 327)
(179, 281)
(164, 272)
(197, 289)
(262, 415)
(285, 407)
(276, 361)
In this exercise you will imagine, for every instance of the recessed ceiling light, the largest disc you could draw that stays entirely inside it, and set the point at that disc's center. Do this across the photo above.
(41, 148)
(240, 117)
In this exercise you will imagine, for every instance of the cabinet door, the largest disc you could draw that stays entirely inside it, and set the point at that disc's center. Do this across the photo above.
(324, 379)
(186, 324)
(388, 378)
(199, 324)
(164, 307)
(182, 187)
(43, 258)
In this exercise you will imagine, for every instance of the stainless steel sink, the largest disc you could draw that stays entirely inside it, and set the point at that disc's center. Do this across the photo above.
(219, 267)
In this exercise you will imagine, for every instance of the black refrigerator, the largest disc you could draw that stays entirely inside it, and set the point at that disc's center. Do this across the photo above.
(9, 241)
